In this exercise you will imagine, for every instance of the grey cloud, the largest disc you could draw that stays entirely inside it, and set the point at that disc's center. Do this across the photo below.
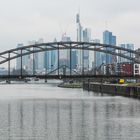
(23, 20)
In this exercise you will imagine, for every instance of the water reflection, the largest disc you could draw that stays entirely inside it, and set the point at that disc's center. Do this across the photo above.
(96, 119)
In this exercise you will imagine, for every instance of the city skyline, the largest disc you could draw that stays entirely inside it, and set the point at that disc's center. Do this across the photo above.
(49, 19)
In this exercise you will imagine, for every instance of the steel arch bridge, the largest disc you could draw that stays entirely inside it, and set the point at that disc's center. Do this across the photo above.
(11, 54)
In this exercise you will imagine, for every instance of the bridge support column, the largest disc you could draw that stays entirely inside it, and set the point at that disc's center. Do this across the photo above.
(9, 64)
(70, 61)
(45, 80)
(21, 65)
(83, 72)
(46, 74)
(58, 60)
(8, 82)
(33, 64)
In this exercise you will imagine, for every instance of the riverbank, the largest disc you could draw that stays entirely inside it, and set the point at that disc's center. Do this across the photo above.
(71, 85)
(127, 90)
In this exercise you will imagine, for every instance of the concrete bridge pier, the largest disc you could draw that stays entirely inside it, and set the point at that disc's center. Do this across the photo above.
(8, 81)
(46, 81)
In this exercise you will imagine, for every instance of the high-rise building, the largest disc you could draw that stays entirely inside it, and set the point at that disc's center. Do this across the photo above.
(98, 56)
(18, 60)
(79, 39)
(47, 59)
(50, 59)
(33, 61)
(54, 58)
(86, 38)
(109, 39)
(65, 53)
(82, 35)
(126, 46)
(40, 65)
(25, 60)
(74, 59)
(79, 28)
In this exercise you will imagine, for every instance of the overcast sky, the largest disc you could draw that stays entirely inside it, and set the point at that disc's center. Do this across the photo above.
(24, 20)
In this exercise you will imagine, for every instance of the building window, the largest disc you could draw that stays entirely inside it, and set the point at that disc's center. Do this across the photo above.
(136, 66)
(136, 71)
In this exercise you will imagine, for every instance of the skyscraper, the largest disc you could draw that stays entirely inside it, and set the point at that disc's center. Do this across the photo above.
(79, 39)
(50, 59)
(54, 59)
(79, 28)
(65, 53)
(126, 46)
(33, 62)
(18, 60)
(40, 60)
(74, 59)
(47, 60)
(82, 35)
(25, 60)
(98, 56)
(86, 38)
(110, 39)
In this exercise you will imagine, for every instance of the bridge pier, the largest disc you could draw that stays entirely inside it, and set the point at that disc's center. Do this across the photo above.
(46, 80)
(9, 64)
(8, 81)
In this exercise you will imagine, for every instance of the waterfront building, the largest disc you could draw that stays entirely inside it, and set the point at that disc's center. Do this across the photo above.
(137, 66)
(136, 69)
(125, 68)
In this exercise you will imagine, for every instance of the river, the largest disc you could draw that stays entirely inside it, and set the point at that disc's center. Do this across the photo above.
(46, 112)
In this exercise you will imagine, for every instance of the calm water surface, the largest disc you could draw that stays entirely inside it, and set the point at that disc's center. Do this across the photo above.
(46, 112)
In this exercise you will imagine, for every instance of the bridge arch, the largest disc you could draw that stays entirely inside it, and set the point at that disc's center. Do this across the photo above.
(35, 48)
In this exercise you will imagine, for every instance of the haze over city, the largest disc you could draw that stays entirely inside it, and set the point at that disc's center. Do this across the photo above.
(22, 21)
(69, 69)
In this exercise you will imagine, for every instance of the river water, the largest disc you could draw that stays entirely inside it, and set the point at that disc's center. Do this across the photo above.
(46, 112)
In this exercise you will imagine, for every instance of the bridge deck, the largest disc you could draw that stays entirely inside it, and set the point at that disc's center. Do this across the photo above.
(68, 76)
